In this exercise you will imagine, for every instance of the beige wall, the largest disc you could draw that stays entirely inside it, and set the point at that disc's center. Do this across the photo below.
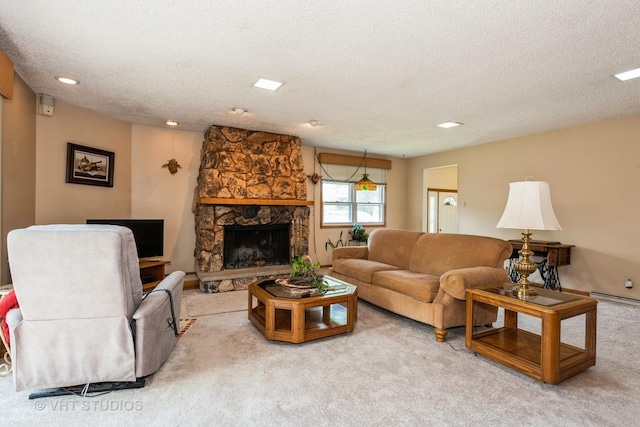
(59, 202)
(593, 170)
(442, 178)
(18, 179)
(155, 193)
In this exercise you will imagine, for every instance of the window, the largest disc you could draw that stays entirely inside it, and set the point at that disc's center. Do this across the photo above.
(342, 205)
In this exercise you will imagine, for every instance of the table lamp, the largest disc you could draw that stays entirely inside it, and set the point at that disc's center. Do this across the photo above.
(529, 208)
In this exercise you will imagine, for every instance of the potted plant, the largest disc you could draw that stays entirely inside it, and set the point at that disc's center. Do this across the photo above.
(358, 233)
(304, 273)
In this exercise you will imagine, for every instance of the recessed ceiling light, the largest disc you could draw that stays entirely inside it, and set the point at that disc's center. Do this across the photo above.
(239, 111)
(172, 123)
(67, 80)
(268, 84)
(315, 123)
(628, 75)
(447, 125)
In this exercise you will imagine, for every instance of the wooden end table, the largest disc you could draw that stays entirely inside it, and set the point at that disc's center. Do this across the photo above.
(281, 316)
(543, 357)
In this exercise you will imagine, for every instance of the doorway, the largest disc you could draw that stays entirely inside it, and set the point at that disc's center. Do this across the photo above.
(442, 210)
(440, 202)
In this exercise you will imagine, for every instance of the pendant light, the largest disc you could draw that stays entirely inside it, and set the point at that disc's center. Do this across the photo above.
(365, 184)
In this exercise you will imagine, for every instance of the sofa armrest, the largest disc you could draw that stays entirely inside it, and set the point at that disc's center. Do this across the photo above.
(456, 282)
(359, 252)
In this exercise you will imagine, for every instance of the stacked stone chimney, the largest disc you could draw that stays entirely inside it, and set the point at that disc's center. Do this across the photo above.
(238, 167)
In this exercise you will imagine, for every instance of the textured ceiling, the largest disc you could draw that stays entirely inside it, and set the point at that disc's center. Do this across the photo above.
(378, 74)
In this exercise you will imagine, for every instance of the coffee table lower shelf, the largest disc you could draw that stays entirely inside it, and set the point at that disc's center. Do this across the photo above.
(319, 322)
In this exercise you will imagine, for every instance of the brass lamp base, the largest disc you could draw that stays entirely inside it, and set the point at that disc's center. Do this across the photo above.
(523, 291)
(524, 267)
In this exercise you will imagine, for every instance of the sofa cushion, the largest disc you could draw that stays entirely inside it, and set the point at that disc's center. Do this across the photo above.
(438, 253)
(393, 247)
(423, 287)
(359, 269)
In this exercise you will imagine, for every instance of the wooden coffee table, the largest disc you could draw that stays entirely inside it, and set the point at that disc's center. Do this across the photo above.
(543, 357)
(281, 316)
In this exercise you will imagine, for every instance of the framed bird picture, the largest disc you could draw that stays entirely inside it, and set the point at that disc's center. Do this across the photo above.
(89, 166)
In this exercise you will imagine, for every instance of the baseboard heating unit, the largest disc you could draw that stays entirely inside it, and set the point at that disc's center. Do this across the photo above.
(615, 298)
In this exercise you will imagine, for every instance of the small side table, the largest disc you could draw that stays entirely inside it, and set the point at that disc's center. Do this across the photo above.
(554, 255)
(152, 273)
(542, 357)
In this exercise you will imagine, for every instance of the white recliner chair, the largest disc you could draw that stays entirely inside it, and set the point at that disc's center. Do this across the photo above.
(83, 318)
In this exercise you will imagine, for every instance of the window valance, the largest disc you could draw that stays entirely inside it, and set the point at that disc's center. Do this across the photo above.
(6, 76)
(338, 167)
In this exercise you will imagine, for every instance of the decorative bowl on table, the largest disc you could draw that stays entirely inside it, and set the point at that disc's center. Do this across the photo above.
(302, 285)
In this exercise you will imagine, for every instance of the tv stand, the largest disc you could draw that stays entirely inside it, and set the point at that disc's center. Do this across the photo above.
(152, 270)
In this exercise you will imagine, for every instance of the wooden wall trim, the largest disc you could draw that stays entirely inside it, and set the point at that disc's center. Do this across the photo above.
(341, 159)
(266, 202)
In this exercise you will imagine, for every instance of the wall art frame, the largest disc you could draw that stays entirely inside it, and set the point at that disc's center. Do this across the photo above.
(89, 166)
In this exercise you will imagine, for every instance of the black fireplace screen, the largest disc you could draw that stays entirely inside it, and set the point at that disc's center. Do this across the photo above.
(256, 246)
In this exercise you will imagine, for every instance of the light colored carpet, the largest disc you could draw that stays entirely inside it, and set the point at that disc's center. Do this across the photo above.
(389, 372)
(198, 303)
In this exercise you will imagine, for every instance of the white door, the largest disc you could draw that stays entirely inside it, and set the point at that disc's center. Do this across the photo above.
(447, 212)
(442, 211)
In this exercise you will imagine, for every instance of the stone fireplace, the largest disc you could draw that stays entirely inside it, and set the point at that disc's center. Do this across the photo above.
(251, 211)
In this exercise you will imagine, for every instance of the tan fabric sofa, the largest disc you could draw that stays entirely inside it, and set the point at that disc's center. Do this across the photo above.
(423, 276)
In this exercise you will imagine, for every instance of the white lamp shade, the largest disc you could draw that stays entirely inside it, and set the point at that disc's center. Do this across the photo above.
(529, 207)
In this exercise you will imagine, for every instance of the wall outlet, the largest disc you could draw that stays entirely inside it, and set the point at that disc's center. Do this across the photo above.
(628, 283)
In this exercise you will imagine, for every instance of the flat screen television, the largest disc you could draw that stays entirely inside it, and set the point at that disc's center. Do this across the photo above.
(148, 233)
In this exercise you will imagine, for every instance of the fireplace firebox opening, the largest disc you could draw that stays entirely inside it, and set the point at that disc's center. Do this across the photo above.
(256, 246)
